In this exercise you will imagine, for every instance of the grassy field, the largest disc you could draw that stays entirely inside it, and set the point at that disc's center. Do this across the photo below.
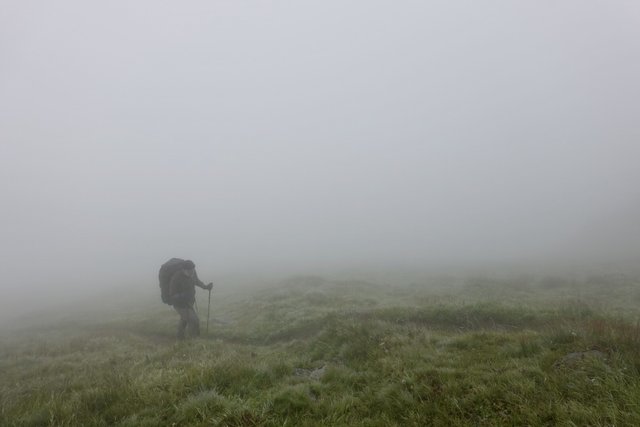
(309, 351)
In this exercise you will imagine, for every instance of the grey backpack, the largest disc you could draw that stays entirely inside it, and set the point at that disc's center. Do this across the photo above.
(166, 271)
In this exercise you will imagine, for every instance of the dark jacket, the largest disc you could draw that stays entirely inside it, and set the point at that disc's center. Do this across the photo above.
(182, 289)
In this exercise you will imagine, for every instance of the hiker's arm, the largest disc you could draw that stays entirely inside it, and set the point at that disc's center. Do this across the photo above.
(200, 284)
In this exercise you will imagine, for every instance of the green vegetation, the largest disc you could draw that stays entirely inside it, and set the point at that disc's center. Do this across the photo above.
(310, 351)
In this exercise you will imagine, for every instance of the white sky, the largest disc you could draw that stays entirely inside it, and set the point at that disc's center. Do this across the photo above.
(295, 135)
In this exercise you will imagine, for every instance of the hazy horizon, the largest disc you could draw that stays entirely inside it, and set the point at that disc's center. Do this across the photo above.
(289, 137)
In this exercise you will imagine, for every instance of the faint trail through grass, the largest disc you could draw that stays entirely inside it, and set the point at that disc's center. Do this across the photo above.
(381, 355)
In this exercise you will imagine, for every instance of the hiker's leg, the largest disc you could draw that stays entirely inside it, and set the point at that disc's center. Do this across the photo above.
(194, 323)
(184, 320)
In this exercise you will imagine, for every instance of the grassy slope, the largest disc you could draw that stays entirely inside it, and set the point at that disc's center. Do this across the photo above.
(313, 352)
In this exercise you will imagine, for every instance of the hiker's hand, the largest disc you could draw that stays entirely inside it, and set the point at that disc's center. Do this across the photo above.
(209, 286)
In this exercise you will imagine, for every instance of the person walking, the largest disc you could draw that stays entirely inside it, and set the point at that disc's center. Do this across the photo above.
(182, 296)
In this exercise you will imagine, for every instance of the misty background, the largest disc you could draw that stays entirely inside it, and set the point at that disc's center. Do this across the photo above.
(293, 136)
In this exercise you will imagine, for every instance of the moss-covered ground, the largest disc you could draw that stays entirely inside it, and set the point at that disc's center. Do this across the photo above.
(310, 351)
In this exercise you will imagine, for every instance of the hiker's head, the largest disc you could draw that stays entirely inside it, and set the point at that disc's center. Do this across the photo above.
(188, 267)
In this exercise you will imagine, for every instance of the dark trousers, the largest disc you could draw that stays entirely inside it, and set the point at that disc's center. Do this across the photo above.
(188, 319)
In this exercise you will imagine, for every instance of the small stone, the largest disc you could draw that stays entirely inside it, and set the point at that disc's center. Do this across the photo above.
(574, 358)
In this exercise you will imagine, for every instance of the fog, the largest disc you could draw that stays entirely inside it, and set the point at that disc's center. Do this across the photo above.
(294, 137)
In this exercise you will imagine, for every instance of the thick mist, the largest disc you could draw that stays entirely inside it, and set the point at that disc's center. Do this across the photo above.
(288, 137)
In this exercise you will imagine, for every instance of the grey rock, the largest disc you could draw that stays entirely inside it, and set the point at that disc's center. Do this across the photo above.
(573, 359)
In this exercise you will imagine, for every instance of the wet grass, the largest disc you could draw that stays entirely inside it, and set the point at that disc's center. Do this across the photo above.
(316, 352)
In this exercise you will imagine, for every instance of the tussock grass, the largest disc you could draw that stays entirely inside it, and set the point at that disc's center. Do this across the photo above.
(547, 352)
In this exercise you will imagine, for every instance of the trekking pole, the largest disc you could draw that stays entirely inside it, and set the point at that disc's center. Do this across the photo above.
(208, 310)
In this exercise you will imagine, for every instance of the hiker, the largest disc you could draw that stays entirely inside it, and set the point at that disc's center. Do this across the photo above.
(180, 292)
